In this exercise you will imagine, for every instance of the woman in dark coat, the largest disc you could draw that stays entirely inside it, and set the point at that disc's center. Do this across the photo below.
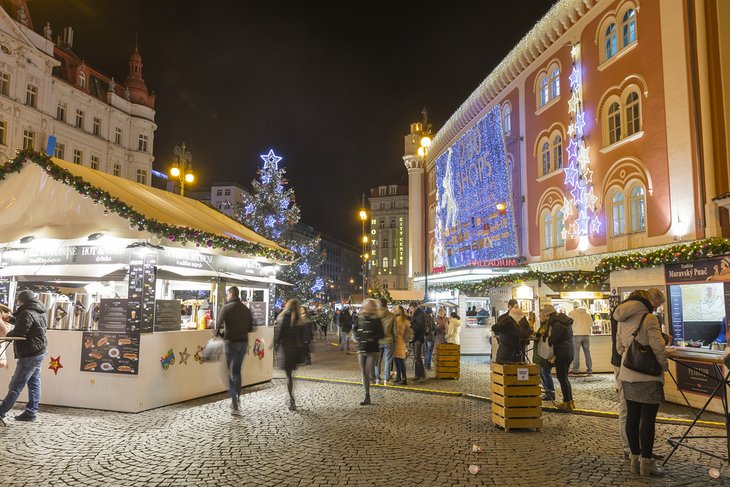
(561, 339)
(289, 343)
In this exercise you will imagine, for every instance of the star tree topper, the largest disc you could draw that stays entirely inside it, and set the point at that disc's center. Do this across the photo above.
(271, 159)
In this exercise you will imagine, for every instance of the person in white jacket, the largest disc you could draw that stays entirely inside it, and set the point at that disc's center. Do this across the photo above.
(454, 331)
(582, 326)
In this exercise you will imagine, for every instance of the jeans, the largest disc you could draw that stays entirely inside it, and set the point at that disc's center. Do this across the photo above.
(582, 341)
(561, 369)
(27, 371)
(400, 368)
(622, 412)
(386, 353)
(234, 359)
(367, 366)
(546, 377)
(418, 359)
(429, 353)
(344, 342)
(640, 423)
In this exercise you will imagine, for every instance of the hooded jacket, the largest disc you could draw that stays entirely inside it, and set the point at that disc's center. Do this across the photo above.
(512, 329)
(629, 315)
(582, 321)
(31, 323)
(368, 332)
(615, 356)
(561, 336)
(453, 334)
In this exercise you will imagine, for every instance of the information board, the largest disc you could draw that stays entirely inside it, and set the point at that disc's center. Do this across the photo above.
(112, 315)
(690, 380)
(141, 290)
(167, 315)
(110, 353)
(258, 311)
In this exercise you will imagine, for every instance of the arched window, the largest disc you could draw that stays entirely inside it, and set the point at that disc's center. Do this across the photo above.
(633, 117)
(382, 223)
(385, 262)
(385, 243)
(544, 91)
(610, 42)
(82, 80)
(555, 83)
(547, 224)
(638, 209)
(558, 152)
(619, 213)
(628, 26)
(559, 228)
(545, 158)
(507, 123)
(614, 123)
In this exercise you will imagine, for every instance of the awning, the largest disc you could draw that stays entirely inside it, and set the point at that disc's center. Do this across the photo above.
(406, 295)
(245, 278)
(61, 271)
(185, 272)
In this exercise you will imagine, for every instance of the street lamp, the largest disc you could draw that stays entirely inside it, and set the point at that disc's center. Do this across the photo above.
(182, 167)
(365, 256)
(424, 142)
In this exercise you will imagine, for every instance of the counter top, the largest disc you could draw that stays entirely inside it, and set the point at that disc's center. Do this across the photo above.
(710, 356)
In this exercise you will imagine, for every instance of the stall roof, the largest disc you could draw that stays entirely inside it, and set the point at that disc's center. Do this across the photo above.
(36, 201)
(406, 295)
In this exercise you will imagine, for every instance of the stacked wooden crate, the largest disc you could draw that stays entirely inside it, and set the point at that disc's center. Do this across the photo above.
(446, 357)
(516, 399)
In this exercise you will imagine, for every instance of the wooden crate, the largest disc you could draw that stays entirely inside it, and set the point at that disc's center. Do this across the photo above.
(447, 361)
(516, 399)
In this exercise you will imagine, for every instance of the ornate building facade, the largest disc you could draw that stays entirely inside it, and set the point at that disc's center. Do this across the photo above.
(389, 226)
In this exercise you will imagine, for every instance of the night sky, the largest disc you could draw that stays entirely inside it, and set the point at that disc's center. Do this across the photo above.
(330, 86)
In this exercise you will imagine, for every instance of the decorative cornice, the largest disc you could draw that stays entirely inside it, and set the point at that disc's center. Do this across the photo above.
(546, 32)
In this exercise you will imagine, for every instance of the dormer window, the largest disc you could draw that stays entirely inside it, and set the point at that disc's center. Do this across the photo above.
(82, 80)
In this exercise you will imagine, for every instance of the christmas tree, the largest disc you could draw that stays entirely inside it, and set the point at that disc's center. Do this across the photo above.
(271, 210)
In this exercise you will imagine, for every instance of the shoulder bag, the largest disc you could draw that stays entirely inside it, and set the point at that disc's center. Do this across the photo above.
(640, 358)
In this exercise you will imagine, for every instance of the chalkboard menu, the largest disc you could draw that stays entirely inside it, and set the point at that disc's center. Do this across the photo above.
(110, 353)
(141, 292)
(167, 315)
(112, 316)
(692, 380)
(258, 312)
(675, 306)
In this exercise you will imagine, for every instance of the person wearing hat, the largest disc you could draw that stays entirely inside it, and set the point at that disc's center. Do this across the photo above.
(30, 323)
(561, 339)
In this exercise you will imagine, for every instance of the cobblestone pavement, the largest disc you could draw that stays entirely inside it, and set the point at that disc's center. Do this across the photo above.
(592, 393)
(403, 439)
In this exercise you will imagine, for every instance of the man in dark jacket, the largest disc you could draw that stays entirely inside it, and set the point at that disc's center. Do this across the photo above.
(513, 330)
(561, 339)
(234, 324)
(345, 322)
(30, 323)
(368, 331)
(418, 325)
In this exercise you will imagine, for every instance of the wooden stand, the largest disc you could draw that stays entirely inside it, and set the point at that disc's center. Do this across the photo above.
(516, 399)
(446, 357)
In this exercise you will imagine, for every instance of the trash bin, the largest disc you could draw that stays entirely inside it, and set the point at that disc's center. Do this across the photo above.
(516, 399)
(446, 360)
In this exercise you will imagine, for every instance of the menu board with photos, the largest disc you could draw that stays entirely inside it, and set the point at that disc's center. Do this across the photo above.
(112, 316)
(167, 315)
(110, 353)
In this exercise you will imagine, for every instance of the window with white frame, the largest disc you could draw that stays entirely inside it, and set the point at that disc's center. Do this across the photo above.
(60, 151)
(117, 170)
(142, 143)
(82, 80)
(555, 83)
(559, 228)
(618, 213)
(28, 139)
(385, 262)
(80, 116)
(78, 156)
(382, 191)
(622, 116)
(31, 95)
(633, 117)
(614, 123)
(3, 132)
(610, 41)
(227, 192)
(95, 162)
(142, 176)
(96, 126)
(507, 119)
(557, 151)
(118, 136)
(628, 27)
(545, 151)
(385, 243)
(61, 112)
(638, 209)
(544, 91)
(382, 223)
(547, 225)
(393, 189)
(219, 192)
(4, 84)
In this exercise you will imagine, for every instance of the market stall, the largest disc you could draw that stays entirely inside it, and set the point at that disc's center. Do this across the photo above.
(132, 278)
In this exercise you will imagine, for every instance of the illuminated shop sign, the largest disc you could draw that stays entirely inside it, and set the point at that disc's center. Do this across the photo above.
(475, 216)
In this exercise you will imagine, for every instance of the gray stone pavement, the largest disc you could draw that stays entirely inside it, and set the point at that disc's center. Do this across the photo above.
(591, 393)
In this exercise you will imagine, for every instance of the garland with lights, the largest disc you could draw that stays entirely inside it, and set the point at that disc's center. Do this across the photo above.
(182, 235)
(569, 278)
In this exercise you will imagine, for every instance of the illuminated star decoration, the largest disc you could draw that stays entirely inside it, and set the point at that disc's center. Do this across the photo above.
(55, 364)
(184, 356)
(596, 225)
(580, 123)
(574, 78)
(271, 159)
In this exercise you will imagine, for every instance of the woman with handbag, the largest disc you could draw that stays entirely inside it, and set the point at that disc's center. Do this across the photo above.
(641, 344)
(400, 349)
(442, 327)
(289, 343)
(561, 339)
(544, 356)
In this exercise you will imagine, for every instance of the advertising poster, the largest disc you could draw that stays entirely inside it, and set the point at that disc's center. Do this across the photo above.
(690, 380)
(110, 353)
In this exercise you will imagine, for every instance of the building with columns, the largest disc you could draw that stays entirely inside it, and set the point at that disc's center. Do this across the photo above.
(47, 90)
(389, 224)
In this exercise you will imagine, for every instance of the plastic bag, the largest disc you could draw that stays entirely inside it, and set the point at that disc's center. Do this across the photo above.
(544, 350)
(213, 349)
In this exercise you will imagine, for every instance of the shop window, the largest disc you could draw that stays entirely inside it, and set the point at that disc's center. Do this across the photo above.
(628, 27)
(638, 209)
(618, 212)
(547, 224)
(555, 83)
(558, 151)
(633, 116)
(614, 123)
(545, 157)
(610, 41)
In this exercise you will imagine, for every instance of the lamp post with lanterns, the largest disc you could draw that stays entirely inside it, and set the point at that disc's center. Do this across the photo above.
(424, 143)
(365, 255)
(182, 167)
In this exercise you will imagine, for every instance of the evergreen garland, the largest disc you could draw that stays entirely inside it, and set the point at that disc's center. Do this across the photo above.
(182, 235)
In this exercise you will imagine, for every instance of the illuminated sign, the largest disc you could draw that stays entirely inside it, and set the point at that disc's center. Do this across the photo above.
(474, 215)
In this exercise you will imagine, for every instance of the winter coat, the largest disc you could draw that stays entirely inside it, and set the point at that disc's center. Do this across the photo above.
(389, 327)
(401, 344)
(418, 323)
(345, 321)
(368, 332)
(512, 329)
(30, 322)
(542, 333)
(629, 315)
(561, 336)
(289, 339)
(452, 336)
(442, 327)
(429, 332)
(582, 321)
(615, 356)
(234, 321)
